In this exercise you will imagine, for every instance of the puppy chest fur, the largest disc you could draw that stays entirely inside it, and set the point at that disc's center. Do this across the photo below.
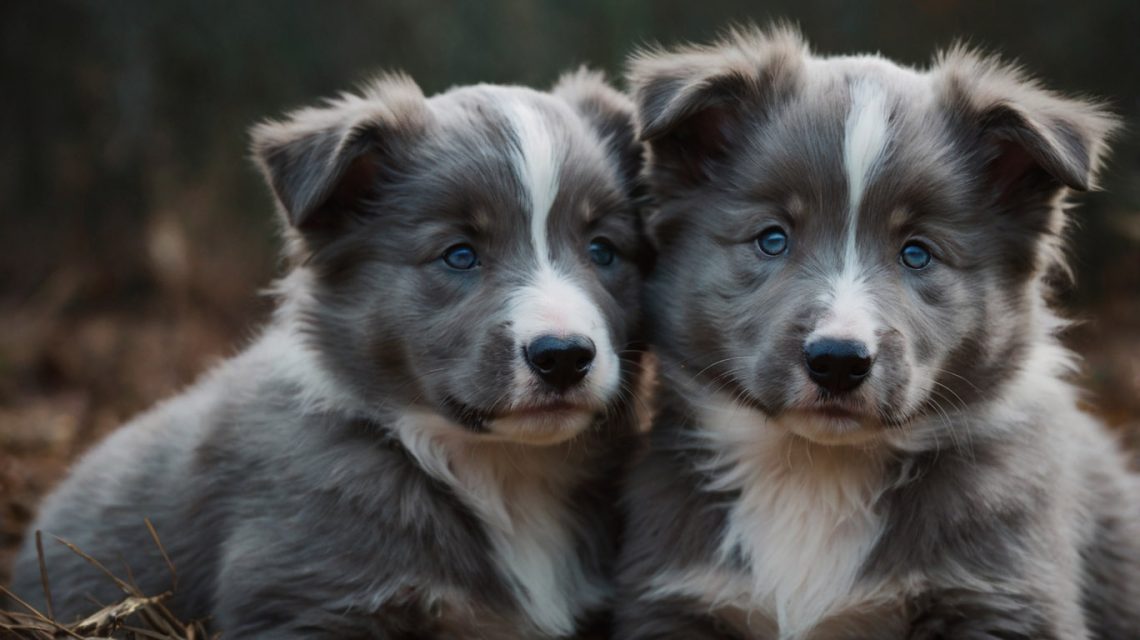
(798, 531)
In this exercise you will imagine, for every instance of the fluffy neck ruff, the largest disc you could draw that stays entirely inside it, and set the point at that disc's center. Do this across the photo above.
(803, 522)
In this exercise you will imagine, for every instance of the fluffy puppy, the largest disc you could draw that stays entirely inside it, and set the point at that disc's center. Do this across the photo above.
(424, 441)
(865, 429)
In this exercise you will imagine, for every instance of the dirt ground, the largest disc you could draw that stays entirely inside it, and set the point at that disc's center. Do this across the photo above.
(80, 357)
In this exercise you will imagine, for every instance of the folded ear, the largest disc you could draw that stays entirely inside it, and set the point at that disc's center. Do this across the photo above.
(610, 113)
(1032, 142)
(689, 99)
(321, 161)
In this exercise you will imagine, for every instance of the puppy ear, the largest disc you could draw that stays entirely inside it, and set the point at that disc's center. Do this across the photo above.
(322, 161)
(1031, 141)
(610, 113)
(688, 100)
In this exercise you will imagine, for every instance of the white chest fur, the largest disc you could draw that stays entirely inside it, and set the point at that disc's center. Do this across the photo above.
(520, 493)
(803, 523)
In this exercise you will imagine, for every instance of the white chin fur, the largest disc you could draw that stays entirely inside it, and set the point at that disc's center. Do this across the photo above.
(541, 429)
(829, 430)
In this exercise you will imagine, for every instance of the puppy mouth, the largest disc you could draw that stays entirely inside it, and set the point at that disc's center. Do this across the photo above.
(823, 408)
(832, 424)
(839, 409)
(477, 420)
(470, 417)
(844, 410)
(836, 412)
(821, 417)
(555, 407)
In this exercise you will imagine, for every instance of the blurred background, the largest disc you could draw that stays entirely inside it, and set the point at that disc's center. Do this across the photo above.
(135, 235)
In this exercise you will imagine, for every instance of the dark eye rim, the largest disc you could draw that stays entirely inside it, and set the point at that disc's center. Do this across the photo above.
(758, 241)
(608, 246)
(921, 245)
(456, 247)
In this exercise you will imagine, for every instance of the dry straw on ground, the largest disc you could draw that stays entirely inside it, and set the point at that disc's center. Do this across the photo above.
(137, 616)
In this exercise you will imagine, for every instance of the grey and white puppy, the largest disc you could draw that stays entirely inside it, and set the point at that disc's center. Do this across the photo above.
(865, 429)
(426, 440)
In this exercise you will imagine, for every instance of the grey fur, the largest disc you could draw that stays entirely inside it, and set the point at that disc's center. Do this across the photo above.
(959, 487)
(348, 475)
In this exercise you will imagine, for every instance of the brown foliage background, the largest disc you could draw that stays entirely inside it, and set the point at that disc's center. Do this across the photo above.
(135, 235)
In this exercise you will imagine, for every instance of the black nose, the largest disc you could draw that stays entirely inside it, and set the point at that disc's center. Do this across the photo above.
(561, 362)
(837, 365)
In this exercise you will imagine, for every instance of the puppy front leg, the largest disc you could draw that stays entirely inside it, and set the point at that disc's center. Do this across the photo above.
(254, 600)
(964, 614)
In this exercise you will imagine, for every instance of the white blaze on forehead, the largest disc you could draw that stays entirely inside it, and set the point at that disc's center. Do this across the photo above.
(850, 313)
(551, 303)
(865, 141)
(537, 161)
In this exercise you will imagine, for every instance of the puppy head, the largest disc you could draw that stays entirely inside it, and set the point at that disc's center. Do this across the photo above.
(475, 254)
(846, 244)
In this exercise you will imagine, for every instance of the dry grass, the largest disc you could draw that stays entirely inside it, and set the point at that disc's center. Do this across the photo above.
(137, 616)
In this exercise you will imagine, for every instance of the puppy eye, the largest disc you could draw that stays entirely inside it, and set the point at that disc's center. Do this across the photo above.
(461, 256)
(772, 241)
(915, 256)
(602, 253)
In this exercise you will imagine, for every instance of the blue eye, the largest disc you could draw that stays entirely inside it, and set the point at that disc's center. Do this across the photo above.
(461, 256)
(773, 241)
(602, 252)
(915, 256)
